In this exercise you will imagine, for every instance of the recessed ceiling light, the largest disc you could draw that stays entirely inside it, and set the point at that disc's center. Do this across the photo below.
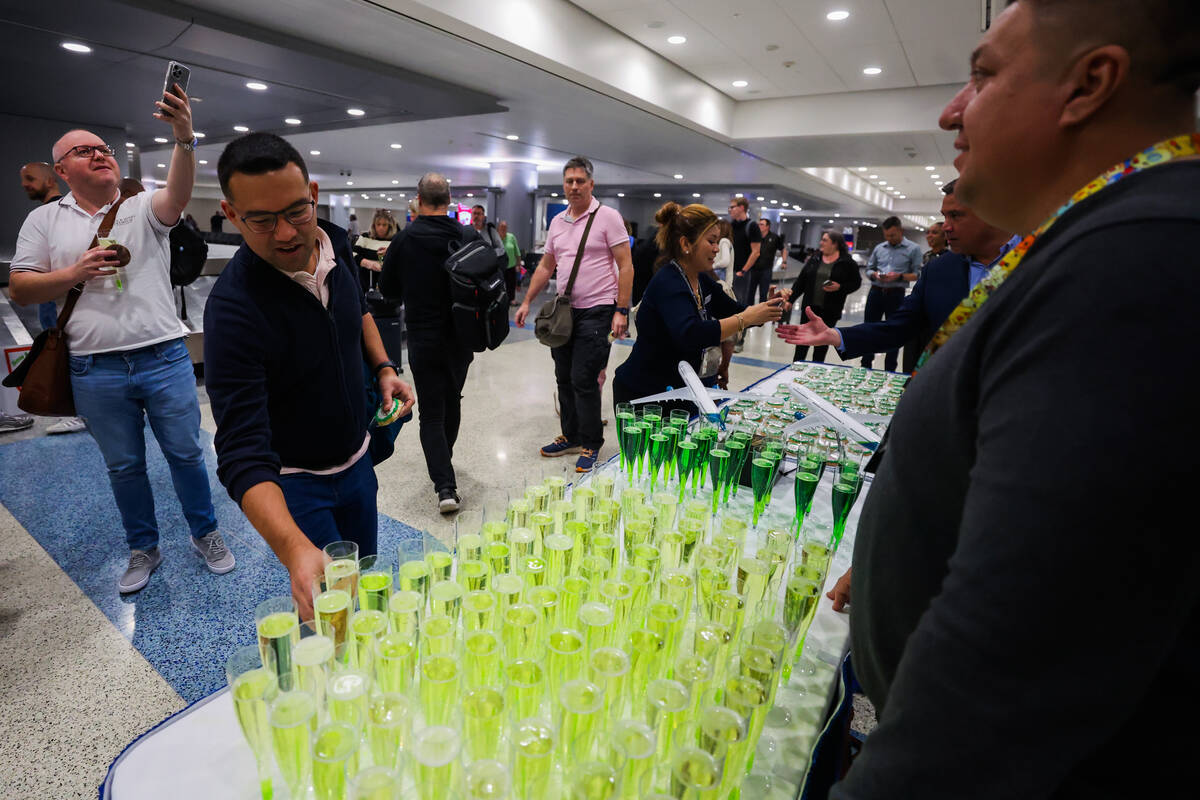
(938, 183)
(512, 137)
(395, 183)
(773, 202)
(161, 166)
(837, 215)
(808, 220)
(760, 199)
(256, 86)
(676, 39)
(830, 222)
(862, 169)
(202, 161)
(401, 194)
(554, 194)
(658, 194)
(903, 197)
(383, 194)
(366, 196)
(160, 140)
(349, 183)
(740, 84)
(355, 112)
(292, 121)
(620, 194)
(872, 71)
(872, 177)
(130, 144)
(76, 47)
(739, 194)
(930, 169)
(395, 145)
(883, 183)
(240, 128)
(314, 152)
(470, 194)
(837, 16)
(935, 176)
(677, 176)
(695, 194)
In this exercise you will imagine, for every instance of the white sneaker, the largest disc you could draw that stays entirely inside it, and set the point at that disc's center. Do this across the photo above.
(67, 425)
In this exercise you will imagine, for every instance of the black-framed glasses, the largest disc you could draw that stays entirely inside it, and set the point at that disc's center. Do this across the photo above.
(88, 150)
(265, 221)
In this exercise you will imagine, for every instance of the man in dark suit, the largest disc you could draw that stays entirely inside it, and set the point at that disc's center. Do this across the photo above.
(974, 247)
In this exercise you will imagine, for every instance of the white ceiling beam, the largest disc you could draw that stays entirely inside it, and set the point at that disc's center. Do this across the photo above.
(875, 112)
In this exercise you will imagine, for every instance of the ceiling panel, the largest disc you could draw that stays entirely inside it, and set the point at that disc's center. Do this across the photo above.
(869, 22)
(850, 62)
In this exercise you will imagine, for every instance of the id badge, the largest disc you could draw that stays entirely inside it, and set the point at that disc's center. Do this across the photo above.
(710, 362)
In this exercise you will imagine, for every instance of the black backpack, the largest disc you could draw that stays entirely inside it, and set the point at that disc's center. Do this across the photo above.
(479, 301)
(189, 251)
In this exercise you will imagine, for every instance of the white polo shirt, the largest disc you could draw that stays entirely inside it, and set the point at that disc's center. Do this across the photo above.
(56, 235)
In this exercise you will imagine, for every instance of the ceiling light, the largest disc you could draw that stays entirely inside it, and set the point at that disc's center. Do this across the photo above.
(401, 194)
(160, 140)
(773, 202)
(512, 137)
(872, 71)
(130, 144)
(930, 169)
(240, 128)
(903, 197)
(395, 183)
(837, 16)
(837, 215)
(739, 194)
(676, 39)
(620, 194)
(808, 220)
(935, 176)
(740, 84)
(658, 194)
(366, 196)
(314, 152)
(256, 86)
(383, 194)
(199, 134)
(389, 199)
(355, 112)
(760, 199)
(695, 194)
(830, 222)
(292, 121)
(161, 166)
(349, 183)
(677, 176)
(883, 183)
(872, 177)
(395, 145)
(202, 161)
(862, 169)
(470, 194)
(938, 183)
(76, 47)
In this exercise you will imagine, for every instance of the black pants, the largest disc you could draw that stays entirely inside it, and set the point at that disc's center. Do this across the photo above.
(577, 366)
(760, 284)
(881, 304)
(510, 283)
(801, 353)
(439, 372)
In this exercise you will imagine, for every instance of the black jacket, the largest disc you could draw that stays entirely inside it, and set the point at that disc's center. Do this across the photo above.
(283, 373)
(413, 272)
(845, 272)
(1026, 612)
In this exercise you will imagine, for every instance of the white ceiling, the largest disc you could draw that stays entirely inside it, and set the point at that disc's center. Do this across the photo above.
(787, 48)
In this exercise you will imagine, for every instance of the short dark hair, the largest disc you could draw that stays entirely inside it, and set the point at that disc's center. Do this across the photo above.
(433, 190)
(1162, 37)
(741, 201)
(891, 222)
(838, 240)
(948, 189)
(256, 154)
(578, 162)
(481, 208)
(764, 219)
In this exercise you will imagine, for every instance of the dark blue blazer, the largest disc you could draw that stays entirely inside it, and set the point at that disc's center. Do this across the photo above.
(941, 286)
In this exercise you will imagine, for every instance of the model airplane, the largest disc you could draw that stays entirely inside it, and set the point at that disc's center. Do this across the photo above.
(822, 412)
(696, 392)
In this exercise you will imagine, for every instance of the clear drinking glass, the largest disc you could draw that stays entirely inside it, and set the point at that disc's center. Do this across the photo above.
(253, 684)
(278, 628)
(389, 727)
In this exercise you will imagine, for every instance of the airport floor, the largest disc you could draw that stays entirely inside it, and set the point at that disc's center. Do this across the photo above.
(87, 670)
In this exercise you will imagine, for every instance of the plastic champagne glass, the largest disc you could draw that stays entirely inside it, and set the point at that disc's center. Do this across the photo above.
(483, 661)
(346, 695)
(313, 661)
(341, 571)
(278, 628)
(413, 573)
(375, 783)
(439, 687)
(532, 746)
(525, 686)
(396, 661)
(593, 780)
(293, 719)
(436, 764)
(374, 583)
(253, 685)
(488, 780)
(483, 722)
(332, 608)
(566, 658)
(631, 751)
(334, 760)
(389, 727)
(580, 716)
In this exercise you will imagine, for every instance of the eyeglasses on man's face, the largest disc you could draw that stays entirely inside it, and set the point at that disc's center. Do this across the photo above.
(87, 151)
(266, 221)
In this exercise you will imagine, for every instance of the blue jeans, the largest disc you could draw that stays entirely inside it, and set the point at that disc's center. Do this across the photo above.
(47, 315)
(331, 508)
(115, 393)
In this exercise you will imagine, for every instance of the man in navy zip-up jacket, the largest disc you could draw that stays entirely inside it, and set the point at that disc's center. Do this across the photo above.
(286, 335)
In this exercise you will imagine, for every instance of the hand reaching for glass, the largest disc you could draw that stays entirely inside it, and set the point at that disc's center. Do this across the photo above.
(812, 333)
(770, 311)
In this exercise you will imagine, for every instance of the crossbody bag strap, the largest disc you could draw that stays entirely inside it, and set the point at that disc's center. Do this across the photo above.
(579, 253)
(106, 226)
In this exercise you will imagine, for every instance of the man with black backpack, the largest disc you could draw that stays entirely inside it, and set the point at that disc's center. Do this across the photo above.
(415, 271)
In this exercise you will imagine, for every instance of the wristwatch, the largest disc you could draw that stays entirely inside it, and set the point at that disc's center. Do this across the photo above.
(395, 367)
(189, 146)
(623, 310)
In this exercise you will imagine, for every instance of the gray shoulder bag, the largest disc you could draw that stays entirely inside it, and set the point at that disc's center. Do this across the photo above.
(554, 323)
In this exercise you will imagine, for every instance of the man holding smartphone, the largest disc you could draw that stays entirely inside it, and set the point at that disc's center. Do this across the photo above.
(128, 358)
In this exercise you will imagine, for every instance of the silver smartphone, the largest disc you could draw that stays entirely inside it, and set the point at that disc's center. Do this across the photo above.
(176, 73)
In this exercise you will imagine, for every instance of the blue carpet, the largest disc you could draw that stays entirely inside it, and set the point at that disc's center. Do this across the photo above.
(187, 620)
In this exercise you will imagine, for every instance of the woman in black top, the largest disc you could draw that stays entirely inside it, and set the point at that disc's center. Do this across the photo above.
(684, 314)
(826, 280)
(383, 228)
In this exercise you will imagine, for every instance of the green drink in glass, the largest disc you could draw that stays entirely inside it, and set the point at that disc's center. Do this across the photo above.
(479, 611)
(519, 630)
(558, 549)
(718, 465)
(753, 578)
(334, 760)
(389, 728)
(667, 704)
(438, 636)
(671, 446)
(845, 492)
(366, 626)
(574, 591)
(762, 472)
(646, 649)
(395, 662)
(580, 716)
(436, 764)
(695, 775)
(253, 686)
(346, 696)
(312, 658)
(592, 780)
(532, 745)
(686, 457)
(445, 599)
(800, 599)
(566, 658)
(293, 720)
(632, 748)
(805, 491)
(628, 432)
(278, 628)
(608, 668)
(483, 722)
(737, 459)
(659, 445)
(439, 688)
(487, 780)
(483, 662)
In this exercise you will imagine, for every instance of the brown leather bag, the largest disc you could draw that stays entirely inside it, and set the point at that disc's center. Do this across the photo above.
(44, 377)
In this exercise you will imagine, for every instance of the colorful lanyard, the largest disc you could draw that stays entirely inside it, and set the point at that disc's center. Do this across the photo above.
(696, 294)
(1161, 153)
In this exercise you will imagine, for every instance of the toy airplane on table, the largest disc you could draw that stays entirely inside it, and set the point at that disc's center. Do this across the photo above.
(822, 412)
(696, 392)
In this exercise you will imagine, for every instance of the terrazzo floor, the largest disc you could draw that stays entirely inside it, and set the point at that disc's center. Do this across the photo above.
(86, 670)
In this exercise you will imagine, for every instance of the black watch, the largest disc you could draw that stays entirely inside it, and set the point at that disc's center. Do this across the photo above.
(623, 310)
(395, 367)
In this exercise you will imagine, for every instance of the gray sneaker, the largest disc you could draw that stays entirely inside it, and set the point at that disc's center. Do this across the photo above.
(137, 574)
(10, 423)
(216, 555)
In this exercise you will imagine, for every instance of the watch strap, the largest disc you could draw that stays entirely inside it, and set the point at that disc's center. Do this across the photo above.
(388, 363)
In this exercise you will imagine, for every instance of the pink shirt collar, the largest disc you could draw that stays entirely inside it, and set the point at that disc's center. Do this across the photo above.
(315, 282)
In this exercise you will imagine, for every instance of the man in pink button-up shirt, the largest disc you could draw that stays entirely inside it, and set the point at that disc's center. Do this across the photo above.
(599, 305)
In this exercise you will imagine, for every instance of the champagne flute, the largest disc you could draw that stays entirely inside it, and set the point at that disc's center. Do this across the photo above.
(334, 759)
(580, 716)
(375, 783)
(719, 463)
(413, 572)
(341, 571)
(687, 456)
(313, 661)
(487, 780)
(374, 583)
(389, 728)
(631, 750)
(659, 447)
(593, 780)
(483, 722)
(532, 745)
(845, 492)
(436, 764)
(253, 683)
(278, 628)
(293, 719)
(626, 416)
